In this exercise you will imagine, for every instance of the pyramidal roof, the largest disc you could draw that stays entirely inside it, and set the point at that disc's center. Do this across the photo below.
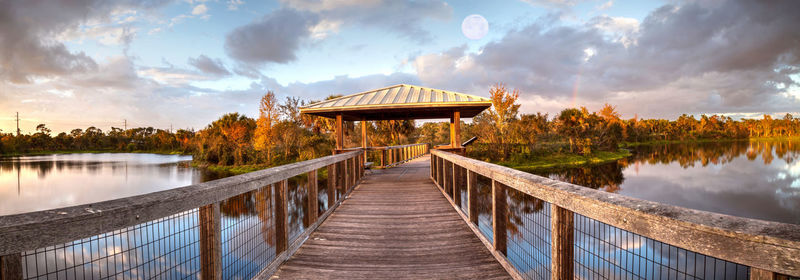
(391, 101)
(398, 94)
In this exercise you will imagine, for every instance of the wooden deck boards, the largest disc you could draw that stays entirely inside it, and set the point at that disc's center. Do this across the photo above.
(395, 225)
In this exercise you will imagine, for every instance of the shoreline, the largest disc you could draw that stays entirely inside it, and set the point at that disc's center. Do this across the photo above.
(66, 152)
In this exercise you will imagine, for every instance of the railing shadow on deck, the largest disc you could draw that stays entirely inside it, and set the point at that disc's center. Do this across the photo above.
(540, 228)
(235, 227)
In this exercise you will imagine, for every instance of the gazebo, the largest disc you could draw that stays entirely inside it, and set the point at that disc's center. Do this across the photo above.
(400, 102)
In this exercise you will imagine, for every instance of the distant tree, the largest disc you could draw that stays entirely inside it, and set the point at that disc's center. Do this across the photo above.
(269, 114)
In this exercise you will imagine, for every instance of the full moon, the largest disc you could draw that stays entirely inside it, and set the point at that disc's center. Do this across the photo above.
(474, 27)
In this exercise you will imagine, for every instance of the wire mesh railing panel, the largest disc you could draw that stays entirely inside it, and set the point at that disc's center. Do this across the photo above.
(483, 188)
(448, 178)
(297, 205)
(606, 252)
(340, 180)
(159, 249)
(248, 233)
(528, 231)
(322, 190)
(461, 189)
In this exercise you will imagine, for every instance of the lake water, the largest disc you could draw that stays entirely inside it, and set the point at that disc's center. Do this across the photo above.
(33, 183)
(749, 179)
(169, 247)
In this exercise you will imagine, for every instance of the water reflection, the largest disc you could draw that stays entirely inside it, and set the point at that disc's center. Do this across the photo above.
(33, 183)
(750, 179)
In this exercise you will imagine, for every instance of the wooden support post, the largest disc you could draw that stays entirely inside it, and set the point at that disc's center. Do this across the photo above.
(445, 180)
(500, 218)
(281, 221)
(313, 208)
(761, 274)
(562, 242)
(433, 166)
(352, 166)
(11, 267)
(383, 155)
(455, 130)
(210, 242)
(339, 134)
(472, 196)
(331, 185)
(458, 180)
(364, 136)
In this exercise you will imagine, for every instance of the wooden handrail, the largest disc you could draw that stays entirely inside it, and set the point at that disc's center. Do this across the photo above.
(763, 245)
(387, 156)
(30, 231)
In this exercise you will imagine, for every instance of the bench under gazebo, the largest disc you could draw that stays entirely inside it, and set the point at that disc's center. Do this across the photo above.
(400, 102)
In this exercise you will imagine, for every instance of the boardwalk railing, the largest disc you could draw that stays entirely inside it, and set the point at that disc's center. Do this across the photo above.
(237, 227)
(545, 229)
(393, 155)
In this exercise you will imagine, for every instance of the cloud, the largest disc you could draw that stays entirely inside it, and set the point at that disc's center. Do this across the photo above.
(273, 38)
(696, 57)
(233, 5)
(276, 37)
(384, 14)
(209, 66)
(34, 49)
(200, 10)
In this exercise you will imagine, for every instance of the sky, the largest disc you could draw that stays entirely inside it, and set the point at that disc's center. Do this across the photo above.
(182, 64)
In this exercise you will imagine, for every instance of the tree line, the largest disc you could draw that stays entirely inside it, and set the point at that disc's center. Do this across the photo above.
(280, 134)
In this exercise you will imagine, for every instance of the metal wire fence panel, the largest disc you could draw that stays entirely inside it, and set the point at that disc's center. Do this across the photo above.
(322, 190)
(462, 189)
(340, 180)
(298, 205)
(484, 204)
(605, 252)
(529, 235)
(248, 233)
(167, 248)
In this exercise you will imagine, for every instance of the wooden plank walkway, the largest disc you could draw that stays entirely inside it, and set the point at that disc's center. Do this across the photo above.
(397, 225)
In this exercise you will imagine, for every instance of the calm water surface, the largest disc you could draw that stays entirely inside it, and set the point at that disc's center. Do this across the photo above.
(749, 179)
(169, 247)
(33, 183)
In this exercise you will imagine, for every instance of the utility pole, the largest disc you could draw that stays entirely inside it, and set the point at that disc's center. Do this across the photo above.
(170, 128)
(17, 124)
(125, 124)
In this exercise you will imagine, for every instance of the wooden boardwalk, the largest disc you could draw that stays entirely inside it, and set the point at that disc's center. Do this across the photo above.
(396, 225)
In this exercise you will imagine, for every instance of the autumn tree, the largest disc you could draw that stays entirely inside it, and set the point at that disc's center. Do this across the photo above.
(269, 112)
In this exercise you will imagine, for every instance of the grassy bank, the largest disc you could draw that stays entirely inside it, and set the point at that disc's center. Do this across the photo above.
(661, 142)
(560, 160)
(44, 153)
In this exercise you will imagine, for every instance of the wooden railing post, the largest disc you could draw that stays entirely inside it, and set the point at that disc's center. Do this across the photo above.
(331, 185)
(433, 166)
(210, 241)
(313, 208)
(500, 218)
(472, 196)
(383, 155)
(761, 274)
(458, 182)
(281, 210)
(562, 242)
(11, 267)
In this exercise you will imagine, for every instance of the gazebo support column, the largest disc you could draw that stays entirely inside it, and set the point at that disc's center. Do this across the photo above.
(364, 137)
(339, 134)
(455, 130)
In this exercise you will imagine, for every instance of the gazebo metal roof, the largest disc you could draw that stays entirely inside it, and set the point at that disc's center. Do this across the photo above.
(400, 102)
